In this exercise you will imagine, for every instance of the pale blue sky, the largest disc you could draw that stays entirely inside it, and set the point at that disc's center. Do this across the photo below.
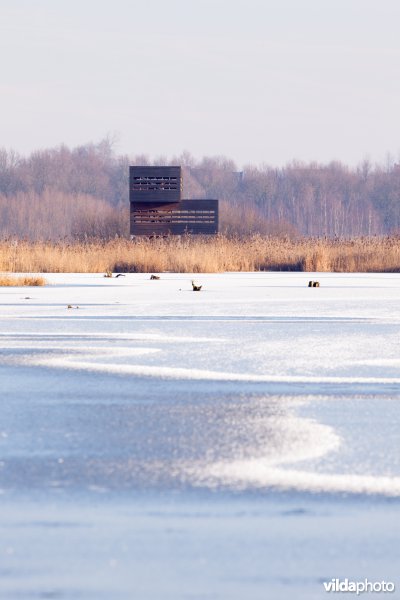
(261, 81)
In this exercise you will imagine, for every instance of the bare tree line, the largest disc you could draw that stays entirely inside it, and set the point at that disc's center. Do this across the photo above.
(69, 193)
(54, 215)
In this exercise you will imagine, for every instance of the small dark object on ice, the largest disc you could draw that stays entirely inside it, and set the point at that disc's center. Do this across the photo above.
(196, 287)
(313, 284)
(120, 275)
(155, 277)
(70, 306)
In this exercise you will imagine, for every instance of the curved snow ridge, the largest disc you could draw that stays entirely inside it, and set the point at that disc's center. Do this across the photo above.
(303, 440)
(75, 351)
(200, 374)
(258, 474)
(138, 337)
(75, 362)
(379, 362)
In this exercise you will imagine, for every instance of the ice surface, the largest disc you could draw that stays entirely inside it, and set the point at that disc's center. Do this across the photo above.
(241, 442)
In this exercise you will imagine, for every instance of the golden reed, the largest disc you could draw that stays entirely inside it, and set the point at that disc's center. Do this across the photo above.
(203, 255)
(12, 281)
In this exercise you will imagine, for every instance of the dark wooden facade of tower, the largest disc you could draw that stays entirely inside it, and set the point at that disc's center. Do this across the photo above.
(157, 207)
(155, 184)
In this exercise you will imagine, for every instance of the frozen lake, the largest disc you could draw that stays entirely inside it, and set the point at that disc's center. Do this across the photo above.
(239, 443)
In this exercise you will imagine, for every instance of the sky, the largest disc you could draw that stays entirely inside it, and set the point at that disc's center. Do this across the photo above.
(259, 81)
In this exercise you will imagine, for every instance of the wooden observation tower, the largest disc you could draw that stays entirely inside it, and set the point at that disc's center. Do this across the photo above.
(157, 207)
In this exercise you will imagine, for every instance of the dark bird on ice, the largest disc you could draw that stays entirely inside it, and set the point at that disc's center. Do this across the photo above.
(120, 275)
(155, 277)
(196, 287)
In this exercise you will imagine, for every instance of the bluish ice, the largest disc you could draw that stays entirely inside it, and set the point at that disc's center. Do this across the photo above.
(239, 443)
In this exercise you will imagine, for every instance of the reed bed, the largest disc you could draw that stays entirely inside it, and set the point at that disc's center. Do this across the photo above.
(12, 281)
(203, 254)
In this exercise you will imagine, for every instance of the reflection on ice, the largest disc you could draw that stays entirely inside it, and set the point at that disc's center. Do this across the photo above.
(301, 440)
(260, 474)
